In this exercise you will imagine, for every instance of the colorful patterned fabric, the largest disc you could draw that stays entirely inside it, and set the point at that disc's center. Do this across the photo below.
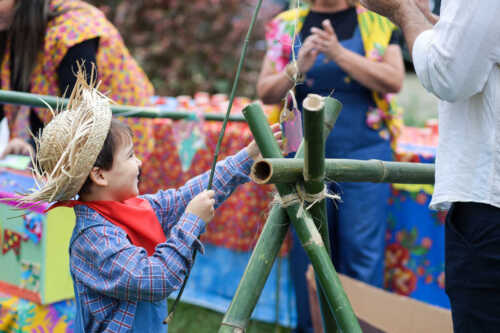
(414, 264)
(18, 315)
(376, 33)
(118, 72)
(239, 220)
(112, 277)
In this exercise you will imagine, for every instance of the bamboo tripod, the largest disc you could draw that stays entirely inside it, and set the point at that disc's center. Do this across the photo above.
(320, 115)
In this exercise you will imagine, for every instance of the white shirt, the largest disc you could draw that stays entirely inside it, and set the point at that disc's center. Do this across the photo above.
(458, 62)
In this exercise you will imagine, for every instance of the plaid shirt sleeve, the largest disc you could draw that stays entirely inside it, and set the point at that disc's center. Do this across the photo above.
(104, 260)
(229, 173)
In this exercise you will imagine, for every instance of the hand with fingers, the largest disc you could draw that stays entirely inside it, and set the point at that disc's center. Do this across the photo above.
(388, 8)
(17, 146)
(202, 205)
(307, 55)
(326, 41)
(253, 150)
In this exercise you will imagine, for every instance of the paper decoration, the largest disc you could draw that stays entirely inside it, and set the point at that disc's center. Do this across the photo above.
(189, 138)
(33, 226)
(291, 124)
(11, 241)
(30, 276)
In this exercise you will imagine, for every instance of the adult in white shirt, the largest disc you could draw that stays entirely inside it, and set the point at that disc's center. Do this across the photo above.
(458, 60)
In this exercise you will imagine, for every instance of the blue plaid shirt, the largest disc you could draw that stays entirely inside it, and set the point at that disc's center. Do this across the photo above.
(112, 277)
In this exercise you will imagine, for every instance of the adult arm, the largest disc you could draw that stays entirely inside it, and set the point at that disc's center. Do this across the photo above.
(385, 76)
(423, 5)
(273, 85)
(453, 59)
(170, 204)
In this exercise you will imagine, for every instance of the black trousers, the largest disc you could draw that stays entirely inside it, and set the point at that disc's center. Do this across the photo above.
(473, 266)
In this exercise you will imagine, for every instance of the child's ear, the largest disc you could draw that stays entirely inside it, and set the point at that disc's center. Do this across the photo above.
(97, 176)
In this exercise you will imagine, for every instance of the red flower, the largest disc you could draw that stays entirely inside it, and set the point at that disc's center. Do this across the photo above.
(396, 256)
(426, 242)
(404, 281)
(421, 198)
(440, 280)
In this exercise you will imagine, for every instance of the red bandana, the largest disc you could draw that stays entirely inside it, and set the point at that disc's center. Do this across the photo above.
(135, 216)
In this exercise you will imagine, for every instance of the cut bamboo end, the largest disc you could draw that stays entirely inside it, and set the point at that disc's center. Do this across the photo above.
(313, 102)
(261, 172)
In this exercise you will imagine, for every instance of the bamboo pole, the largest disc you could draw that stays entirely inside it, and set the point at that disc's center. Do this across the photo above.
(266, 250)
(34, 100)
(263, 256)
(281, 170)
(307, 232)
(314, 174)
(314, 152)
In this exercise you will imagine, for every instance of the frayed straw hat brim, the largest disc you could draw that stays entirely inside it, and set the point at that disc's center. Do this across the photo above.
(70, 144)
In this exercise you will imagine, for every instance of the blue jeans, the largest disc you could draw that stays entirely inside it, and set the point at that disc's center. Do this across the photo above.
(472, 269)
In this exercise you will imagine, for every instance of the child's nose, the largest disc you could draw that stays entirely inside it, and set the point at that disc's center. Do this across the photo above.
(139, 162)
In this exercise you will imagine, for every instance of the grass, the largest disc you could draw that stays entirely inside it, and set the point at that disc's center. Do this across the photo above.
(191, 318)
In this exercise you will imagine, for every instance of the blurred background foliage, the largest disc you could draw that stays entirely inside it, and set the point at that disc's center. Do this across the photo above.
(190, 46)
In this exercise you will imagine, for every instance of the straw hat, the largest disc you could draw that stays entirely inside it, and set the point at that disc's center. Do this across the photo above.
(70, 144)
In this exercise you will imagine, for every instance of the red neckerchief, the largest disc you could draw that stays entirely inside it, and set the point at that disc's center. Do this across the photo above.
(135, 216)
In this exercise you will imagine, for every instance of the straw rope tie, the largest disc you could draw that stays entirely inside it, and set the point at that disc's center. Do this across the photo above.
(301, 197)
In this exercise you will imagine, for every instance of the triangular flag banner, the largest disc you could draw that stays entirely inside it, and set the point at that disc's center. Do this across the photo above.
(11, 241)
(189, 138)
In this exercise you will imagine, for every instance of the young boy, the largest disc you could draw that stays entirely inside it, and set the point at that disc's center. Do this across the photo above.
(127, 252)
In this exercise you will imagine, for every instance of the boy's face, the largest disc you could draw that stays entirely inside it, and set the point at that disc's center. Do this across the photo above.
(123, 177)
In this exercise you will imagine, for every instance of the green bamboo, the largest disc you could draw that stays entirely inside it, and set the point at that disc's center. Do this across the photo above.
(274, 232)
(223, 130)
(233, 91)
(314, 174)
(256, 273)
(281, 170)
(314, 152)
(34, 100)
(306, 230)
(266, 250)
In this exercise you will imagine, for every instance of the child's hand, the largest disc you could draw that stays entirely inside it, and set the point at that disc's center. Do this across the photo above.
(202, 205)
(254, 152)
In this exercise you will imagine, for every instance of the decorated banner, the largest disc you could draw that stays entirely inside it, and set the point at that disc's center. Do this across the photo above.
(11, 241)
(30, 276)
(33, 226)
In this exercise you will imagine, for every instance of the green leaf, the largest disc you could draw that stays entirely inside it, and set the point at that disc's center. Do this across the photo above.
(419, 250)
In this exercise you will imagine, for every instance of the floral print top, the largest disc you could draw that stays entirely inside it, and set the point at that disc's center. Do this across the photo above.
(121, 77)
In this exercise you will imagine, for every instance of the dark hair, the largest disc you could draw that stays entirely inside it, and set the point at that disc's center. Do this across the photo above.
(27, 36)
(119, 133)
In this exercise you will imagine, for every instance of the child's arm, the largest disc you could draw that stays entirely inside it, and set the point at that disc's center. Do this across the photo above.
(104, 260)
(229, 173)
